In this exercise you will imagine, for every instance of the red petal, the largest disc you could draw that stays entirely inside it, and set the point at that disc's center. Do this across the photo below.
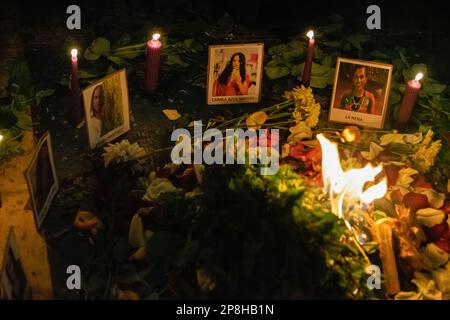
(437, 232)
(415, 201)
(443, 244)
(392, 174)
(421, 182)
(297, 151)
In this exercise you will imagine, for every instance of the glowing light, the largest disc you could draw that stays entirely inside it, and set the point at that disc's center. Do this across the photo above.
(1, 138)
(156, 36)
(346, 189)
(74, 53)
(419, 76)
(310, 34)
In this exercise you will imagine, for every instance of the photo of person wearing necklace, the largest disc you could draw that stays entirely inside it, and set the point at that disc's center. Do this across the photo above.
(358, 99)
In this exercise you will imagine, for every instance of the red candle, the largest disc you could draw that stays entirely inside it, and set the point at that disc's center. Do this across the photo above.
(306, 79)
(75, 109)
(153, 59)
(408, 102)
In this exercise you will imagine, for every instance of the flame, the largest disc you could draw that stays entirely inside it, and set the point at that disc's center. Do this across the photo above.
(74, 53)
(348, 135)
(346, 189)
(310, 34)
(156, 36)
(419, 76)
(1, 138)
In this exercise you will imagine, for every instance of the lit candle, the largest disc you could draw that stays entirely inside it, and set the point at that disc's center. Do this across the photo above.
(153, 58)
(408, 102)
(306, 79)
(75, 110)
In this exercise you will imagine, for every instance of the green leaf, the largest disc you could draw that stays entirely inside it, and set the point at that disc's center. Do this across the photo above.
(293, 55)
(433, 87)
(127, 54)
(82, 74)
(319, 81)
(277, 72)
(357, 39)
(175, 59)
(379, 55)
(45, 93)
(23, 120)
(280, 48)
(100, 46)
(20, 102)
(117, 60)
(89, 55)
(410, 74)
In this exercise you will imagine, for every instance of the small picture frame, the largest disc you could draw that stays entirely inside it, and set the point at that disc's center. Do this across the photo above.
(42, 179)
(107, 109)
(234, 73)
(360, 93)
(14, 284)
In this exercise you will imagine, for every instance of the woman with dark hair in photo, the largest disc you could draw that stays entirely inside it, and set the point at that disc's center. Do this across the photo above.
(97, 109)
(358, 99)
(234, 80)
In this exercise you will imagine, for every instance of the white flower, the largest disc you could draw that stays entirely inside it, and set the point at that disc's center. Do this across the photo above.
(435, 198)
(392, 138)
(374, 151)
(430, 217)
(413, 138)
(122, 152)
(299, 132)
(435, 255)
(404, 177)
(157, 187)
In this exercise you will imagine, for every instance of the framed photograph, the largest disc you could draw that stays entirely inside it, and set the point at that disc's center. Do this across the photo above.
(41, 179)
(234, 73)
(14, 284)
(360, 93)
(106, 107)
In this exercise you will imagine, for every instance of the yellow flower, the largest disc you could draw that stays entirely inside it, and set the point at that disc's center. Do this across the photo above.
(256, 120)
(313, 117)
(299, 132)
(423, 158)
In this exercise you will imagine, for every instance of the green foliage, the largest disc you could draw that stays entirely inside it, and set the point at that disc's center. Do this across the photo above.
(15, 118)
(256, 241)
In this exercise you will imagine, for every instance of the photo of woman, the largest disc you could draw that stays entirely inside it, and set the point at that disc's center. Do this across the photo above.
(234, 80)
(107, 109)
(97, 102)
(234, 73)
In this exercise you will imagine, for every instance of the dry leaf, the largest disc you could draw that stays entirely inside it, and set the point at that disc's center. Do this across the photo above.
(171, 114)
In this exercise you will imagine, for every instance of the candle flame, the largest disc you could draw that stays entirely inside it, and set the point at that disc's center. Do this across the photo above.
(419, 76)
(310, 34)
(156, 36)
(1, 138)
(74, 53)
(346, 189)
